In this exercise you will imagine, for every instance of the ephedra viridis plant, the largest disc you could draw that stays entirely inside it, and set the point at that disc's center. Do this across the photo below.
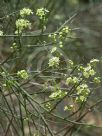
(42, 91)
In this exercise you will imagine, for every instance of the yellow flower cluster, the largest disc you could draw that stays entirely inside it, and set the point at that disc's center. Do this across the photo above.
(82, 92)
(23, 74)
(25, 12)
(41, 13)
(72, 80)
(58, 94)
(54, 62)
(22, 24)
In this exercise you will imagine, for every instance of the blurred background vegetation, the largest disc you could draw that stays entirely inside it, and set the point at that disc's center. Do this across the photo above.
(87, 25)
